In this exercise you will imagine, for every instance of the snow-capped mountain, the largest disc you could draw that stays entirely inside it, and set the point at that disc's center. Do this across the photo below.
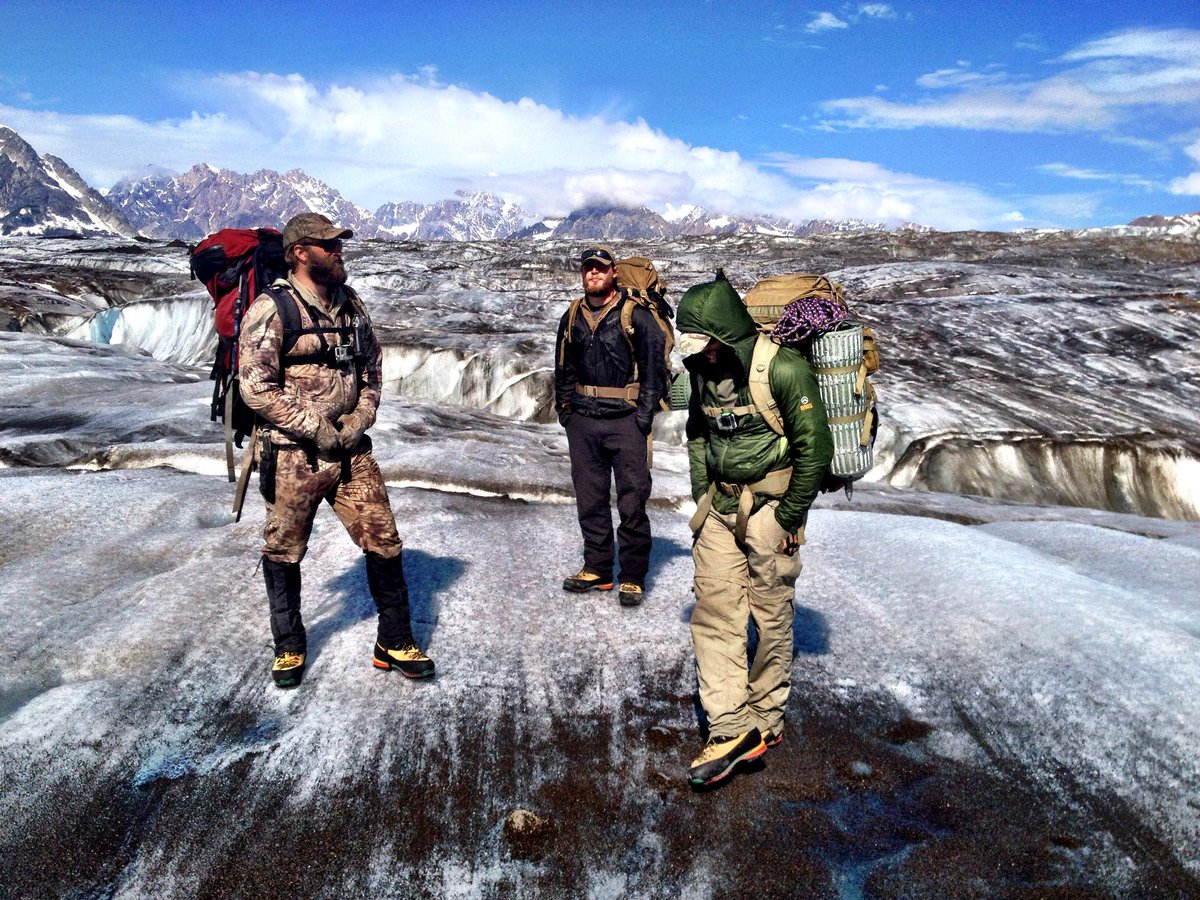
(689, 221)
(1183, 224)
(43, 195)
(471, 217)
(205, 199)
(594, 223)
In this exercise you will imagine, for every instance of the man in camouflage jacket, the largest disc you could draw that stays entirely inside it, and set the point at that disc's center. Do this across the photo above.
(753, 488)
(316, 389)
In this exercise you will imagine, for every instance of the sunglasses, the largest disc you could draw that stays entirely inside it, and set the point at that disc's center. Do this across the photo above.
(603, 256)
(332, 245)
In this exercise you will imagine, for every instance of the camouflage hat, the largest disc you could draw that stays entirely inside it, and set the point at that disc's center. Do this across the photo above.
(600, 253)
(690, 342)
(312, 226)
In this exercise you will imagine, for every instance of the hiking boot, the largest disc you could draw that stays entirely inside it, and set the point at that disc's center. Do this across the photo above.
(288, 668)
(721, 754)
(408, 660)
(631, 594)
(773, 738)
(586, 581)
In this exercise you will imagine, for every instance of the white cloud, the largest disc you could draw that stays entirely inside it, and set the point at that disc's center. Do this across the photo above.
(876, 11)
(825, 21)
(1176, 44)
(1065, 170)
(1190, 184)
(959, 76)
(411, 138)
(1106, 82)
(845, 188)
(103, 148)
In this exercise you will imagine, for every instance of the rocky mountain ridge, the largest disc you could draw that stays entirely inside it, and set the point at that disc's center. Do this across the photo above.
(1172, 224)
(45, 196)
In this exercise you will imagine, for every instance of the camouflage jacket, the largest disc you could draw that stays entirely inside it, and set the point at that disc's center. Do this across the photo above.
(293, 398)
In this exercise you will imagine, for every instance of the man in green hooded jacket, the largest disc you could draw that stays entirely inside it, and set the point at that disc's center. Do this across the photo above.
(753, 488)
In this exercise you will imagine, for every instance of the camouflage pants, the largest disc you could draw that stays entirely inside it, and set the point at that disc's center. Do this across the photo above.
(736, 581)
(359, 501)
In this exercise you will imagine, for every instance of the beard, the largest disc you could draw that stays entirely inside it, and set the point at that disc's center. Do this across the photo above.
(601, 290)
(327, 271)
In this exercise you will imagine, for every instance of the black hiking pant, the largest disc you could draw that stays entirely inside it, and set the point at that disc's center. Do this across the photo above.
(604, 450)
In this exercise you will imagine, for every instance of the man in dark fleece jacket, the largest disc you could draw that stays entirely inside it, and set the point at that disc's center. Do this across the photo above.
(753, 488)
(607, 385)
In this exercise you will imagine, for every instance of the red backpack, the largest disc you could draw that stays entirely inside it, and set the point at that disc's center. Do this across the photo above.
(235, 265)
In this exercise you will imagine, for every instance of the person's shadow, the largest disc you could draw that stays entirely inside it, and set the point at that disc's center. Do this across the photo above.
(810, 631)
(350, 599)
(662, 551)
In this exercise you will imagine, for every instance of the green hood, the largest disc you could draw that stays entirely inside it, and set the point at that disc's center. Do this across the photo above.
(714, 308)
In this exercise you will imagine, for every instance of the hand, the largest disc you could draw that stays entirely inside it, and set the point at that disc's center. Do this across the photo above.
(790, 544)
(351, 429)
(326, 438)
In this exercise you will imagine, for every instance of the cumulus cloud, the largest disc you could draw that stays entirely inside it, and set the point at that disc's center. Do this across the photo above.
(104, 148)
(825, 21)
(1190, 184)
(865, 190)
(413, 138)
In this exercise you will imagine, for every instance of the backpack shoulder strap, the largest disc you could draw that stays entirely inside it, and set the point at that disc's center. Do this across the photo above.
(627, 317)
(287, 305)
(572, 314)
(760, 383)
(628, 301)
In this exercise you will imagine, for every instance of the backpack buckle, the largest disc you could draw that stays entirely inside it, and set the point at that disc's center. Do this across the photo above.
(725, 423)
(343, 354)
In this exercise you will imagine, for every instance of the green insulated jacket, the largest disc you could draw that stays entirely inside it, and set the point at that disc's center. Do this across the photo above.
(743, 449)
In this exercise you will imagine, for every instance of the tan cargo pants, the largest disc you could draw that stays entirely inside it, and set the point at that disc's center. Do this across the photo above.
(734, 582)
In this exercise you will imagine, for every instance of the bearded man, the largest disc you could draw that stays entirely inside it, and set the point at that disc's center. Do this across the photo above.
(607, 385)
(311, 368)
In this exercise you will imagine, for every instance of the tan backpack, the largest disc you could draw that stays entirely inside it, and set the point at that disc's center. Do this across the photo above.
(638, 278)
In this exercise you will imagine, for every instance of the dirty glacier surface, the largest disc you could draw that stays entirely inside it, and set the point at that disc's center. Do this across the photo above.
(997, 679)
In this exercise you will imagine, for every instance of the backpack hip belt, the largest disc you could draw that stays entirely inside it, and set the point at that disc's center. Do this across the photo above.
(773, 484)
(629, 393)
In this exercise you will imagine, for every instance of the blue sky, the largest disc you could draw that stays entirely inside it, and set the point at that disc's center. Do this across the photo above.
(957, 115)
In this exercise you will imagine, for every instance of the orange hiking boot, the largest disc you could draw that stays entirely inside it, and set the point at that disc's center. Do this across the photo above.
(409, 661)
(585, 581)
(288, 668)
(721, 754)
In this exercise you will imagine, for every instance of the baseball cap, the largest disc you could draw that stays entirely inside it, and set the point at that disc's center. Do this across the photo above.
(314, 226)
(600, 254)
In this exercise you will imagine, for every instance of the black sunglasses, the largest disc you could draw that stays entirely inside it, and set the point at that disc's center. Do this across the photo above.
(596, 253)
(332, 245)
